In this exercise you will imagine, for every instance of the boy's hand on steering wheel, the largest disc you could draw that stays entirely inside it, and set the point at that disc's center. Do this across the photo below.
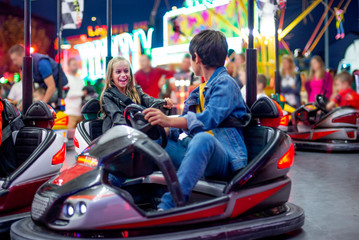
(169, 103)
(156, 117)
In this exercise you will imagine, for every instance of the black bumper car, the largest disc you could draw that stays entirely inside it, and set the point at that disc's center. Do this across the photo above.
(30, 154)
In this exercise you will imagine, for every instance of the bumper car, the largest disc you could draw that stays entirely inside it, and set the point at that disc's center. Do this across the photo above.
(81, 202)
(91, 128)
(30, 154)
(61, 122)
(316, 129)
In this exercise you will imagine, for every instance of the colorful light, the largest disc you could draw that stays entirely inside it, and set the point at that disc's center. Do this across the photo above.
(93, 54)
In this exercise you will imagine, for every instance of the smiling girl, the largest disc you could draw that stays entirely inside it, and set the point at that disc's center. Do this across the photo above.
(120, 91)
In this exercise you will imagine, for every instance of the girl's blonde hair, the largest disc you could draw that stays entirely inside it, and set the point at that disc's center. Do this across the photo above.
(292, 68)
(322, 70)
(131, 91)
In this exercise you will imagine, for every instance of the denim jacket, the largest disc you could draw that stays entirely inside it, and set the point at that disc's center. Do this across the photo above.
(222, 99)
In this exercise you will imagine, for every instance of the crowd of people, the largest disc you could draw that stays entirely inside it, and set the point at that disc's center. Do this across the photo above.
(150, 83)
(298, 87)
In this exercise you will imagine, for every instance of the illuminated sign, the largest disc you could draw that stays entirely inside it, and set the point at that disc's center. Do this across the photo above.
(93, 54)
(102, 30)
(193, 3)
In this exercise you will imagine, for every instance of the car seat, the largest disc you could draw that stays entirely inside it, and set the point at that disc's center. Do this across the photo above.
(36, 133)
(11, 121)
(92, 125)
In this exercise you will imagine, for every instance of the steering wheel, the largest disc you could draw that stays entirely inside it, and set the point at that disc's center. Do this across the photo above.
(136, 119)
(159, 105)
(321, 102)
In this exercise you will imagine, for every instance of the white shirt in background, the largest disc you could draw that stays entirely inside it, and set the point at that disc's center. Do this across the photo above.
(244, 93)
(289, 81)
(73, 98)
(15, 93)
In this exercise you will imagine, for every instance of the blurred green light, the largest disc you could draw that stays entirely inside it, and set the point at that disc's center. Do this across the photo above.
(3, 80)
(16, 77)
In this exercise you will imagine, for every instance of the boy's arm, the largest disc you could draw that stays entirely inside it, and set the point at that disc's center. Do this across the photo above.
(220, 106)
(156, 117)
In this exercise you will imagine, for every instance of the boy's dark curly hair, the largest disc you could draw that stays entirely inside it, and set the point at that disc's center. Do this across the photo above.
(211, 46)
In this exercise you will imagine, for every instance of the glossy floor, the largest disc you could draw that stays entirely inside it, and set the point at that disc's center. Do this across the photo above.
(326, 186)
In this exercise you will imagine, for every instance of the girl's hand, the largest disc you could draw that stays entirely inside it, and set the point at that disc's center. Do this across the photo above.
(156, 117)
(169, 103)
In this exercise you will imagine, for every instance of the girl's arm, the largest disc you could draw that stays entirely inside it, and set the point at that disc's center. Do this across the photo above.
(114, 111)
(148, 101)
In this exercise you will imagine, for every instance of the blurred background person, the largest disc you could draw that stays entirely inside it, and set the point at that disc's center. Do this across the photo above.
(149, 78)
(261, 85)
(38, 94)
(291, 82)
(73, 99)
(45, 72)
(346, 95)
(15, 94)
(231, 55)
(239, 59)
(320, 81)
(233, 72)
(243, 79)
(88, 93)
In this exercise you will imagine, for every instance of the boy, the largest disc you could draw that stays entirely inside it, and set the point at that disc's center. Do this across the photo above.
(261, 85)
(207, 150)
(39, 94)
(346, 95)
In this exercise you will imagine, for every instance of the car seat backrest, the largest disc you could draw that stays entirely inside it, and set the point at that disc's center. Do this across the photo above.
(256, 138)
(95, 128)
(264, 108)
(27, 140)
(10, 112)
(91, 109)
(40, 115)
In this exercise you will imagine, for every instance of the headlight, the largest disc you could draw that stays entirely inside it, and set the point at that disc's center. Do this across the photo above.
(68, 210)
(82, 208)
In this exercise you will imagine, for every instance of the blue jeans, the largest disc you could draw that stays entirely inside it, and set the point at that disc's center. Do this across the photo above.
(202, 155)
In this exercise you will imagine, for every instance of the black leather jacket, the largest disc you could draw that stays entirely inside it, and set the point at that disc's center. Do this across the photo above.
(114, 106)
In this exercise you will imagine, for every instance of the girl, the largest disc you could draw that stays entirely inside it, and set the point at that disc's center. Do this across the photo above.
(291, 82)
(120, 91)
(320, 81)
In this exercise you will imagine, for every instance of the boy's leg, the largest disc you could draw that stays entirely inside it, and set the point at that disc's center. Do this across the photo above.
(176, 150)
(202, 149)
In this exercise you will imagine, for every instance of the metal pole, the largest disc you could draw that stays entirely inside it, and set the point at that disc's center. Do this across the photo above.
(109, 30)
(27, 60)
(251, 59)
(59, 36)
(326, 41)
(276, 73)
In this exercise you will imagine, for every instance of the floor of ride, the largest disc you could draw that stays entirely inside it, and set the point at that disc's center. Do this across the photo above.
(326, 186)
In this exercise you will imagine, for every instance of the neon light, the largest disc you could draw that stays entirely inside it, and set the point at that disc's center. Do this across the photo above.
(201, 6)
(175, 53)
(93, 54)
